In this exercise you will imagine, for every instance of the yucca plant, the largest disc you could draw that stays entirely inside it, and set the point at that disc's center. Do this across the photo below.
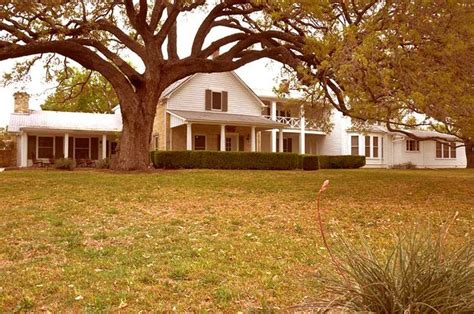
(419, 274)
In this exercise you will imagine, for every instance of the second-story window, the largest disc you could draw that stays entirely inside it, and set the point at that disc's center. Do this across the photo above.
(216, 101)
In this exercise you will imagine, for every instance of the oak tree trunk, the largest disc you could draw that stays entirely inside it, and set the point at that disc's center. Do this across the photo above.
(134, 144)
(469, 154)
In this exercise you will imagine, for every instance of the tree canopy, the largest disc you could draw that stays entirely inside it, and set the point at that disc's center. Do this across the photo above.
(81, 91)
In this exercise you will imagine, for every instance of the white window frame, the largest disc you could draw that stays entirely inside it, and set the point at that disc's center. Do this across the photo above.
(358, 145)
(37, 146)
(417, 146)
(74, 146)
(205, 141)
(371, 146)
(450, 152)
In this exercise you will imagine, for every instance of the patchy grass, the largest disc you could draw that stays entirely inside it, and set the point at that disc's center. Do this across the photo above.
(199, 240)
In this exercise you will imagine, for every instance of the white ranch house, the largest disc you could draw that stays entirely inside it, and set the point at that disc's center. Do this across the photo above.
(219, 111)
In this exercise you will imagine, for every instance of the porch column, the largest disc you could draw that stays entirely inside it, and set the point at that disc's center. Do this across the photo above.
(189, 136)
(104, 146)
(222, 146)
(280, 140)
(66, 145)
(302, 135)
(274, 131)
(252, 139)
(24, 150)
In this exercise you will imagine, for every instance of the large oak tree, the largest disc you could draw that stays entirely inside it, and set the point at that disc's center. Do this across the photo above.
(100, 34)
(389, 61)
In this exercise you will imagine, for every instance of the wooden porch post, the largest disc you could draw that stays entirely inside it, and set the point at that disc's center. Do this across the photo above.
(252, 140)
(274, 131)
(66, 145)
(104, 146)
(189, 136)
(280, 141)
(222, 146)
(24, 150)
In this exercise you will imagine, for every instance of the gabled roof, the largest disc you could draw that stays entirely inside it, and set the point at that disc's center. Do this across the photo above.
(66, 121)
(225, 118)
(180, 83)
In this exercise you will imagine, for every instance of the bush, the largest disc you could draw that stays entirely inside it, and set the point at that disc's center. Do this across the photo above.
(103, 163)
(225, 160)
(406, 165)
(341, 162)
(420, 274)
(65, 164)
(309, 162)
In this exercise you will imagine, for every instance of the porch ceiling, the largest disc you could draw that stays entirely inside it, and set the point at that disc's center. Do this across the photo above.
(219, 118)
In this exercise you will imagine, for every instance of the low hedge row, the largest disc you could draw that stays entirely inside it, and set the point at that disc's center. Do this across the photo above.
(254, 161)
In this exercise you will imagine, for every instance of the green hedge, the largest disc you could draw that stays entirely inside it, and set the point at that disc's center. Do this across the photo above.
(225, 160)
(246, 160)
(341, 162)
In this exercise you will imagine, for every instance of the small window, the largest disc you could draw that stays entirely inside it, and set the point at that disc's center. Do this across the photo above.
(375, 146)
(228, 144)
(367, 146)
(355, 145)
(199, 142)
(453, 150)
(216, 101)
(45, 147)
(287, 145)
(413, 146)
(445, 150)
(439, 150)
(81, 148)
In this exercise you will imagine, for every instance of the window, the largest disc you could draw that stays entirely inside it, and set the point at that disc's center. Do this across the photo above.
(355, 145)
(367, 146)
(45, 147)
(228, 144)
(375, 147)
(413, 146)
(287, 145)
(216, 101)
(82, 148)
(199, 142)
(445, 150)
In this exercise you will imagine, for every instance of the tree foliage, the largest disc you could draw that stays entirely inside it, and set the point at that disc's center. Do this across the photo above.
(81, 91)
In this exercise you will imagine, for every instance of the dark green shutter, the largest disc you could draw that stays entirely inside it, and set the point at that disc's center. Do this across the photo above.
(208, 99)
(225, 100)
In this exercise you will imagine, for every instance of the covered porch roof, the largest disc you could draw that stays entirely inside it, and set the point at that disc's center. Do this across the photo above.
(180, 117)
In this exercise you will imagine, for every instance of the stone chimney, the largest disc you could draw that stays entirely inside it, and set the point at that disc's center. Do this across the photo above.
(22, 100)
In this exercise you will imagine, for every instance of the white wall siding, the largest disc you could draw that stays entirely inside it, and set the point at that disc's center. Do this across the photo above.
(191, 96)
(337, 142)
(426, 157)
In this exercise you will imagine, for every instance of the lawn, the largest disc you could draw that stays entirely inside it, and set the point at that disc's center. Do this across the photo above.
(200, 240)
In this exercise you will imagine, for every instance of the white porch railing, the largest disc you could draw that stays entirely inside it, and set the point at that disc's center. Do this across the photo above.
(295, 123)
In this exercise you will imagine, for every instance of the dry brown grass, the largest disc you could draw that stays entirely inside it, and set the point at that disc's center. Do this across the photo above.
(199, 240)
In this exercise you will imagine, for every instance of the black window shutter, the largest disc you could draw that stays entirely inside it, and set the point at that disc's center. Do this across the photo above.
(208, 99)
(225, 100)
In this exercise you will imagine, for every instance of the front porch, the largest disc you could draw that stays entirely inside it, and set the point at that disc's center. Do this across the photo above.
(43, 148)
(217, 131)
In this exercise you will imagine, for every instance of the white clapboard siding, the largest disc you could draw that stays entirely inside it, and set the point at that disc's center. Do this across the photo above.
(191, 96)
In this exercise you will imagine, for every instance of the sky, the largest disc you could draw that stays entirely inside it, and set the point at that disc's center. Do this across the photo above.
(261, 75)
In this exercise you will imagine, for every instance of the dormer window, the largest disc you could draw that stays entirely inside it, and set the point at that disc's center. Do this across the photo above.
(216, 100)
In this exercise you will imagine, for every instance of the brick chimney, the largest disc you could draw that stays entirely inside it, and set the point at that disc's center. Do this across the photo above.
(21, 103)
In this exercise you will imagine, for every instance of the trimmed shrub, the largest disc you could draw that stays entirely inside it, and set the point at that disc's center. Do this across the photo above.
(225, 160)
(64, 164)
(309, 162)
(103, 163)
(341, 162)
